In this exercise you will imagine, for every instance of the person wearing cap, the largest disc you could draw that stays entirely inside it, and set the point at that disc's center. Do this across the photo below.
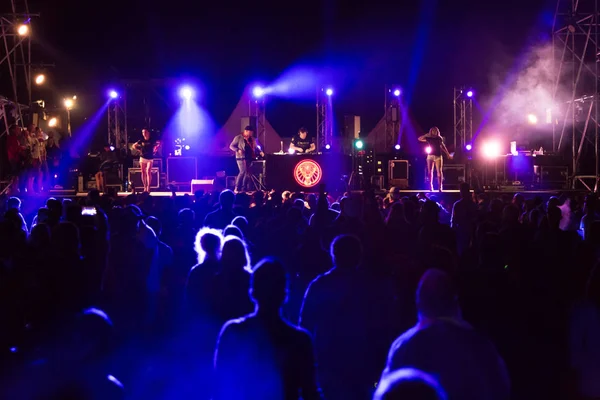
(245, 147)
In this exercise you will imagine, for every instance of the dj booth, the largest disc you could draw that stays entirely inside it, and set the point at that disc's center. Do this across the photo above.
(299, 172)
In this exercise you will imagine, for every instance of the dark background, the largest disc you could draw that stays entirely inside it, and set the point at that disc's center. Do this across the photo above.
(427, 47)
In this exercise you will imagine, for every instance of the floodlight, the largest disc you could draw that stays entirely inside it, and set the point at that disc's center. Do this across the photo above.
(258, 92)
(469, 147)
(327, 147)
(491, 149)
(397, 92)
(532, 119)
(186, 92)
(470, 93)
(40, 79)
(329, 92)
(69, 103)
(397, 147)
(23, 30)
(113, 94)
(52, 122)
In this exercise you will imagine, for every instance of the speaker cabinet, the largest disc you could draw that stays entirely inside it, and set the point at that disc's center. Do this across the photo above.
(205, 185)
(135, 178)
(398, 173)
(454, 174)
(181, 170)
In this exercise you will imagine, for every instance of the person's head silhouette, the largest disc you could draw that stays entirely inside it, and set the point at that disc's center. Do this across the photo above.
(346, 251)
(269, 285)
(226, 199)
(437, 296)
(208, 244)
(409, 383)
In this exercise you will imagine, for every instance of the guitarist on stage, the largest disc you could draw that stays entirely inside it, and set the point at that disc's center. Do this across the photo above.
(245, 147)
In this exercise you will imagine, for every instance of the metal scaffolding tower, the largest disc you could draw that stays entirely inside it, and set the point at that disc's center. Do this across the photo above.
(324, 122)
(15, 60)
(463, 117)
(575, 45)
(392, 117)
(256, 109)
(117, 123)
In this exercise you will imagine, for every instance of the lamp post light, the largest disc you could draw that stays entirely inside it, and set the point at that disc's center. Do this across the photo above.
(69, 103)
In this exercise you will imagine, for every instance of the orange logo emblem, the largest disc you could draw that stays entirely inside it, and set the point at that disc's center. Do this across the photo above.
(308, 173)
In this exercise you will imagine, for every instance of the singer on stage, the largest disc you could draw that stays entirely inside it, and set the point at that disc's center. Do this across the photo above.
(245, 148)
(436, 146)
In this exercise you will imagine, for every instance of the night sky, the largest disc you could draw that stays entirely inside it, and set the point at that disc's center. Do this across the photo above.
(426, 47)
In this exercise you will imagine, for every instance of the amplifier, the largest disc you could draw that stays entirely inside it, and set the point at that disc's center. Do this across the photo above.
(202, 184)
(454, 174)
(551, 174)
(156, 163)
(398, 173)
(135, 178)
(181, 170)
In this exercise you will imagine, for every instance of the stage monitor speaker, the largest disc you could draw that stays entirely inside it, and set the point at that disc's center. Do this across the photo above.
(205, 185)
(454, 174)
(181, 170)
(352, 126)
(398, 173)
(135, 178)
(249, 121)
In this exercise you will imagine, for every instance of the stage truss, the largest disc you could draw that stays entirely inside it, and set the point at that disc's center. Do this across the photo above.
(256, 109)
(463, 118)
(324, 122)
(392, 118)
(575, 45)
(15, 61)
(117, 122)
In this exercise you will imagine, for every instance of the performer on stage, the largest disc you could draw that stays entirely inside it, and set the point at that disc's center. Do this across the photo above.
(435, 142)
(148, 149)
(245, 147)
(301, 143)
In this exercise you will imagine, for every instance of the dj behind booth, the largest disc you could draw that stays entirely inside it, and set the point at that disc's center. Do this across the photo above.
(302, 169)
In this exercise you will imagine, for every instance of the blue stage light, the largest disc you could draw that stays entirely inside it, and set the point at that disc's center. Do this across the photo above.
(258, 92)
(397, 92)
(113, 94)
(186, 92)
(329, 92)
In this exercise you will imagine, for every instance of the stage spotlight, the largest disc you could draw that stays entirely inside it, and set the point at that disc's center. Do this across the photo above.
(359, 144)
(327, 147)
(397, 147)
(329, 92)
(186, 92)
(532, 119)
(397, 92)
(52, 122)
(491, 149)
(469, 147)
(112, 148)
(23, 30)
(187, 146)
(428, 149)
(69, 103)
(113, 94)
(470, 93)
(40, 79)
(258, 92)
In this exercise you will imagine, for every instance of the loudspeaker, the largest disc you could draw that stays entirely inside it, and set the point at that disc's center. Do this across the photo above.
(252, 121)
(398, 173)
(135, 178)
(181, 170)
(454, 174)
(206, 185)
(351, 126)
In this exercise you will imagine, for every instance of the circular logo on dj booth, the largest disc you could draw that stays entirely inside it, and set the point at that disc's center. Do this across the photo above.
(308, 173)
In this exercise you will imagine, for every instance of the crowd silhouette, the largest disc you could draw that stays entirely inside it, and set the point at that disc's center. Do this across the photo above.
(276, 295)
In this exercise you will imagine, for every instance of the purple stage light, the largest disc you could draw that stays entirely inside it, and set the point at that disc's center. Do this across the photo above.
(258, 92)
(329, 92)
(113, 94)
(327, 147)
(397, 147)
(468, 147)
(428, 149)
(470, 93)
(397, 92)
